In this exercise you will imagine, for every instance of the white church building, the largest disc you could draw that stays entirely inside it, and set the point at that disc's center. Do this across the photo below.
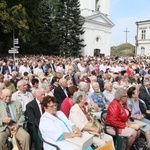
(143, 38)
(97, 27)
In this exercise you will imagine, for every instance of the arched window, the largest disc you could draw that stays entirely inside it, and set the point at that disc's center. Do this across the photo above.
(97, 5)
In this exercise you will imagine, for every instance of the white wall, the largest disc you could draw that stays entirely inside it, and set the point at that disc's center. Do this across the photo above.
(93, 31)
(143, 43)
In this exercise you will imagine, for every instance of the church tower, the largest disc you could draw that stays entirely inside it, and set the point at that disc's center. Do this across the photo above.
(95, 5)
(97, 27)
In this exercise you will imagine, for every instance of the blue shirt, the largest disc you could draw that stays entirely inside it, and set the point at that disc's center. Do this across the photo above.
(99, 99)
(10, 109)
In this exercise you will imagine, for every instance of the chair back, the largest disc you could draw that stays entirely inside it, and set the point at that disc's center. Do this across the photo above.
(103, 116)
(119, 139)
(31, 129)
(41, 138)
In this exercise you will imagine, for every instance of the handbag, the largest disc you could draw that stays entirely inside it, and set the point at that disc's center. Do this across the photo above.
(107, 146)
(140, 145)
(82, 142)
(15, 142)
(135, 125)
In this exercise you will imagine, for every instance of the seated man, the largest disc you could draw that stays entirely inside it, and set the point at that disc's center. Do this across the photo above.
(34, 108)
(22, 95)
(11, 116)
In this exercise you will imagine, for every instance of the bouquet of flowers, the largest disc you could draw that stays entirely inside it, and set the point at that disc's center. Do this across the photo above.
(94, 121)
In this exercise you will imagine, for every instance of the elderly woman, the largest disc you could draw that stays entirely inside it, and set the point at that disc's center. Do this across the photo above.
(67, 102)
(55, 127)
(83, 86)
(98, 97)
(133, 104)
(118, 115)
(109, 92)
(80, 117)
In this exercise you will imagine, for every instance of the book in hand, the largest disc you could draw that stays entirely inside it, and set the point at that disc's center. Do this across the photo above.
(137, 125)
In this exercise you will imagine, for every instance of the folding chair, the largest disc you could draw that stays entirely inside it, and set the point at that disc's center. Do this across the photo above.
(40, 136)
(118, 139)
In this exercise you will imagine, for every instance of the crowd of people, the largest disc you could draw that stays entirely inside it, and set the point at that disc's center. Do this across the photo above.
(63, 97)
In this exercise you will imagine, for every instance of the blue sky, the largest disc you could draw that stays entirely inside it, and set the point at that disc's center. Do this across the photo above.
(124, 14)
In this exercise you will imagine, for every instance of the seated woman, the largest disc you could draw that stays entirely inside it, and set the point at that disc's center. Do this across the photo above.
(118, 115)
(109, 92)
(79, 116)
(55, 127)
(67, 102)
(133, 104)
(98, 97)
(85, 87)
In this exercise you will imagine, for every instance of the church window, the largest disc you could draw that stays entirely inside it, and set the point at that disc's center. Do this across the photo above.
(97, 39)
(143, 35)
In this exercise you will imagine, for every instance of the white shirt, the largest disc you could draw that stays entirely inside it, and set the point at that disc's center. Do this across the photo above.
(26, 100)
(38, 71)
(109, 95)
(23, 69)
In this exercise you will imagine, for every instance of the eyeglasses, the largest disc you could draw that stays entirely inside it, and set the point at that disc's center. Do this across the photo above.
(125, 96)
(53, 106)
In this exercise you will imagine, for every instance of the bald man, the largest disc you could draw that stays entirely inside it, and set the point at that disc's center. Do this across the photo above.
(60, 92)
(11, 116)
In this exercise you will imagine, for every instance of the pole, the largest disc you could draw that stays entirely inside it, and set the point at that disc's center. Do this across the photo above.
(14, 43)
(126, 34)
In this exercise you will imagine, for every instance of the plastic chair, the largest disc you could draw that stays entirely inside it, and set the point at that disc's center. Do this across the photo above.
(40, 136)
(118, 139)
(31, 129)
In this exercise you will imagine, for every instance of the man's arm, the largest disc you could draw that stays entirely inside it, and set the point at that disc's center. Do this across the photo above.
(30, 113)
(20, 115)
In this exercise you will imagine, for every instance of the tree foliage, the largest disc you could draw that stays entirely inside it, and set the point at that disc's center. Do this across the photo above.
(42, 26)
(67, 28)
(12, 18)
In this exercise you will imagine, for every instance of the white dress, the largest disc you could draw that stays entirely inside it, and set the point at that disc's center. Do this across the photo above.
(79, 119)
(52, 128)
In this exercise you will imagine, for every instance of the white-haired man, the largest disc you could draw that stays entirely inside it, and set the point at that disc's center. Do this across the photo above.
(22, 95)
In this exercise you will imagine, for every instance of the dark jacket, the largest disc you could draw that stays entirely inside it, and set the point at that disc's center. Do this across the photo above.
(33, 112)
(59, 95)
(144, 95)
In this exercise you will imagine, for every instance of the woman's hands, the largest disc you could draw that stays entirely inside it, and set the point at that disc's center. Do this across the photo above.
(128, 123)
(96, 129)
(140, 117)
(95, 106)
(76, 132)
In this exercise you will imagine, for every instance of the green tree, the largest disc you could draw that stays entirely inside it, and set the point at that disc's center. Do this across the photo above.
(12, 17)
(67, 28)
(43, 34)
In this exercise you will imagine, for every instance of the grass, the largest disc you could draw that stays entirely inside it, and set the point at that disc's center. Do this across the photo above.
(125, 49)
